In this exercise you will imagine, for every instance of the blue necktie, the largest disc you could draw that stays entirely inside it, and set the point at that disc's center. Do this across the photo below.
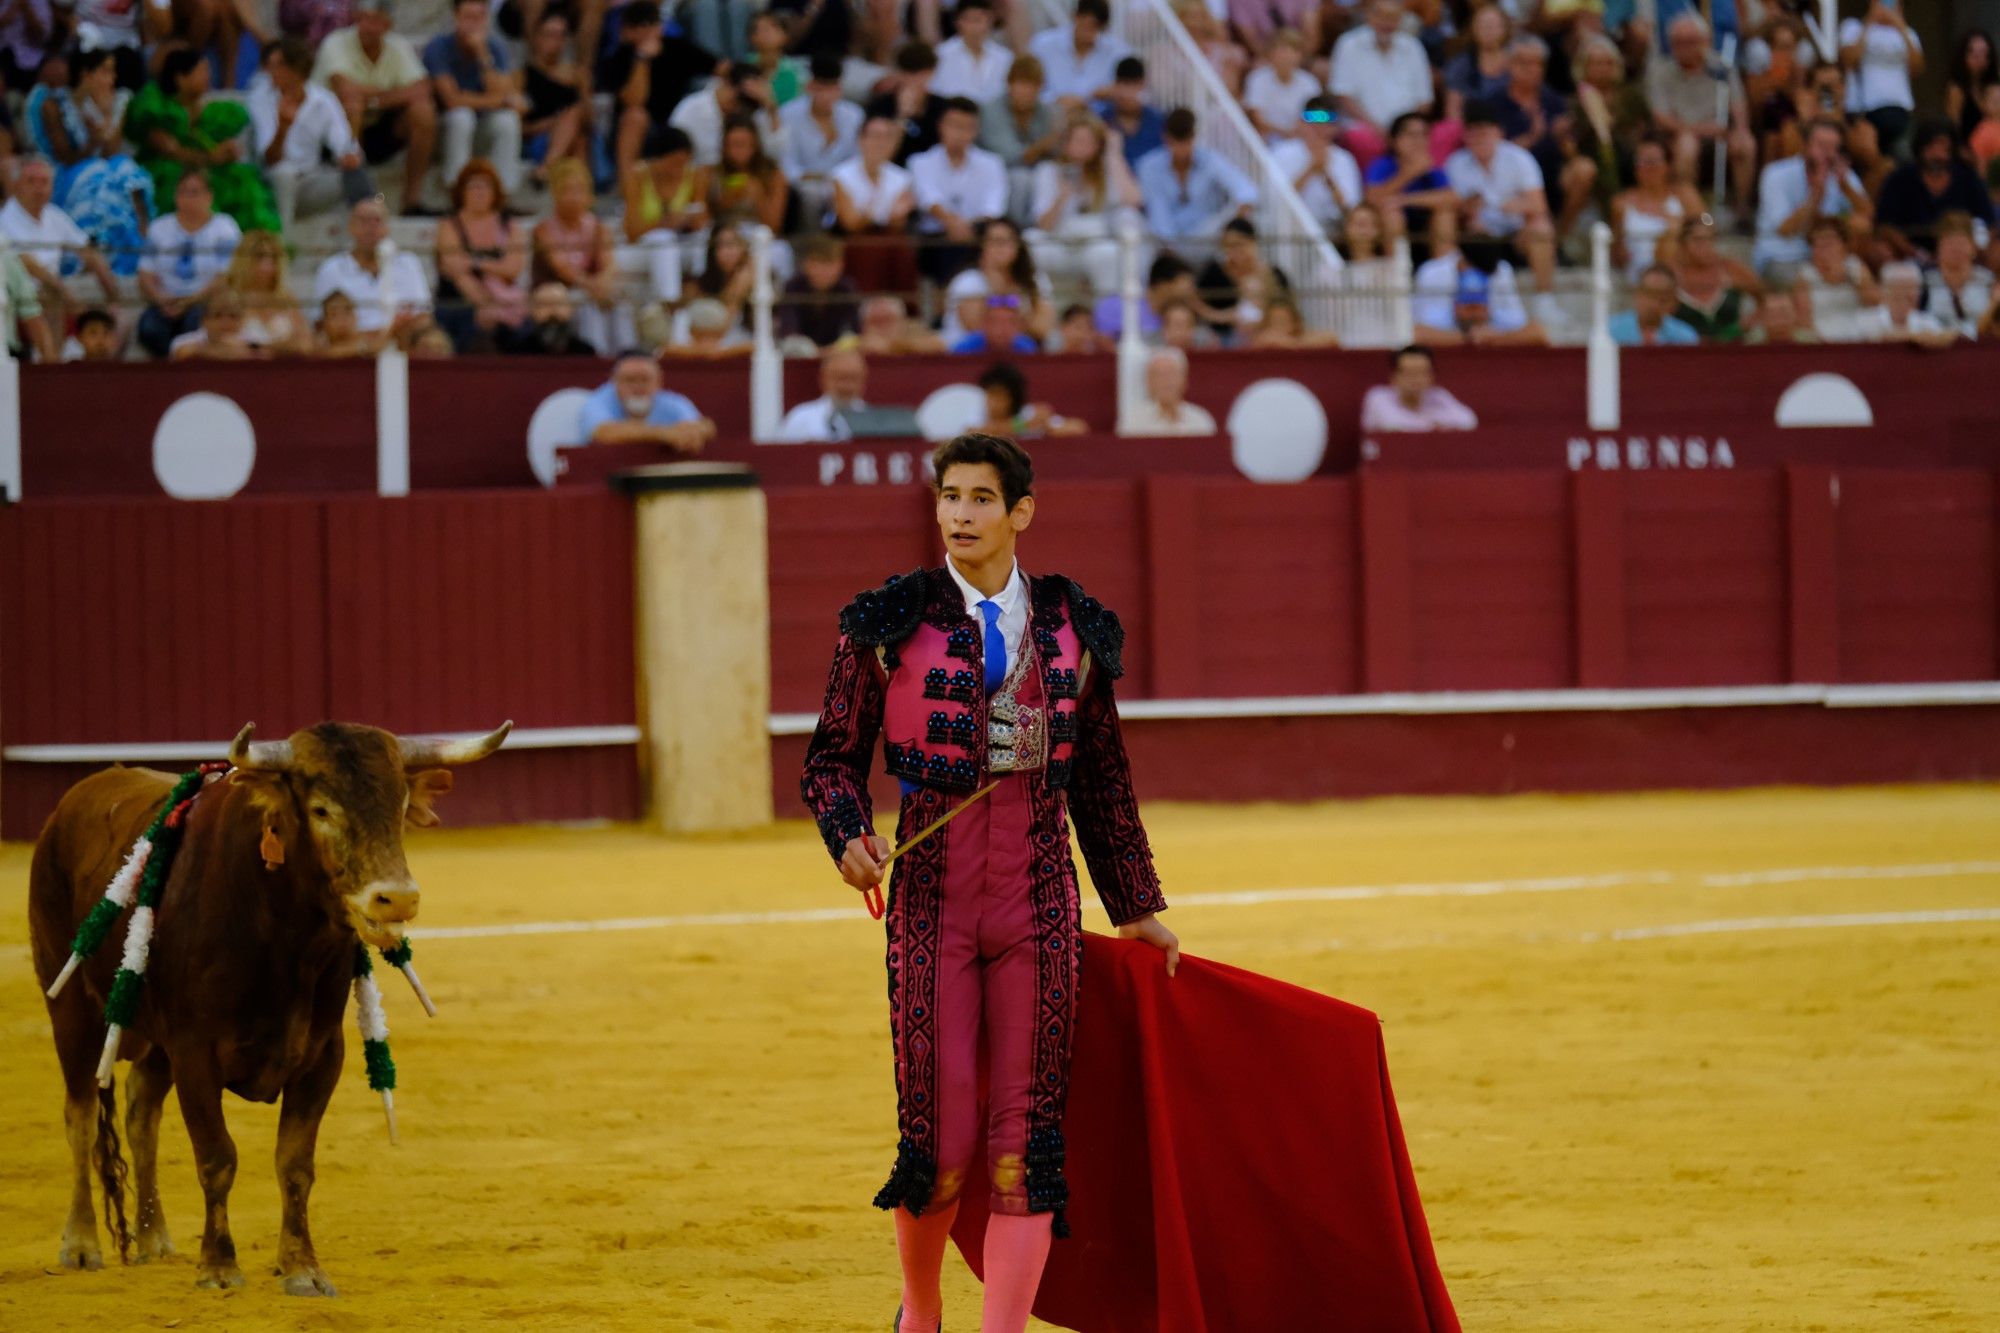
(996, 646)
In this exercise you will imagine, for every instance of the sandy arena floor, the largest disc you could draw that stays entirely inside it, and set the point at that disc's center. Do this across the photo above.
(1691, 1062)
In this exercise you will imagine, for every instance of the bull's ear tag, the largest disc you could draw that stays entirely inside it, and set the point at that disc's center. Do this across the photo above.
(271, 849)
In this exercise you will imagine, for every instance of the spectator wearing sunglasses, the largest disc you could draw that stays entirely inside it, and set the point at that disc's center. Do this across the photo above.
(1000, 329)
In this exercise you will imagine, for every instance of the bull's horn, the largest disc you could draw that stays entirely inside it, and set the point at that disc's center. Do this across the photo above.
(430, 751)
(272, 756)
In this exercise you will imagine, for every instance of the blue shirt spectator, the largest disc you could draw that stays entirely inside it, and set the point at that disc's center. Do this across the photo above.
(1070, 72)
(999, 326)
(634, 409)
(974, 343)
(1141, 126)
(1190, 191)
(1671, 332)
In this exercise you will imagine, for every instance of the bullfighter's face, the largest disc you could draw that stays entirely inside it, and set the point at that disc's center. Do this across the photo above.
(973, 516)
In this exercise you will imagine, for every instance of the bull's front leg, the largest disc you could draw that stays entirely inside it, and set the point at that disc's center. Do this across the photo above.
(306, 1097)
(200, 1091)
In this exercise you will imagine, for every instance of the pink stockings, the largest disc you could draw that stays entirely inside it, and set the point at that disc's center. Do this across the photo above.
(1016, 1249)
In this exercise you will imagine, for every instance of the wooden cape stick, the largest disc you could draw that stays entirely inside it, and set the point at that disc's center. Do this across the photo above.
(872, 895)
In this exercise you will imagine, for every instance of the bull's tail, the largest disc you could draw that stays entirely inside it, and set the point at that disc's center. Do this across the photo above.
(111, 1170)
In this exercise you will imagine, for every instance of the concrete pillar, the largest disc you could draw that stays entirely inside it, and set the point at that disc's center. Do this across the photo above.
(704, 644)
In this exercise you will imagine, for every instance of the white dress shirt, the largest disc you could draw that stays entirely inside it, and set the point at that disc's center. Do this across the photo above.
(52, 240)
(1384, 84)
(874, 199)
(1067, 74)
(320, 130)
(343, 273)
(1512, 173)
(1013, 603)
(974, 188)
(962, 74)
(818, 420)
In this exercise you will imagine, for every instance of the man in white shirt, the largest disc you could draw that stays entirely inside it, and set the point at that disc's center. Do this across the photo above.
(1379, 73)
(822, 133)
(972, 64)
(357, 273)
(1276, 93)
(1166, 410)
(1794, 191)
(51, 247)
(1456, 303)
(381, 83)
(843, 377)
(958, 186)
(1897, 319)
(1325, 175)
(1501, 199)
(1080, 62)
(187, 258)
(737, 91)
(303, 139)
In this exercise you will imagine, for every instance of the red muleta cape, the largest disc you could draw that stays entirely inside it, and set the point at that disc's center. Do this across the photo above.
(1235, 1162)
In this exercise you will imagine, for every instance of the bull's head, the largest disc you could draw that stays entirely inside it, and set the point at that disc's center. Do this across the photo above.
(342, 794)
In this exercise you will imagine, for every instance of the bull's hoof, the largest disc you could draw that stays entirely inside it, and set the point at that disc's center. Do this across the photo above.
(218, 1277)
(150, 1245)
(308, 1282)
(82, 1255)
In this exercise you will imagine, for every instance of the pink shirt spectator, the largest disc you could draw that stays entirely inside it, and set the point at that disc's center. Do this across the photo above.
(1382, 408)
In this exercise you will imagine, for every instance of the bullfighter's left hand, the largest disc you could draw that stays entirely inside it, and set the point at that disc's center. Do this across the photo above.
(1149, 929)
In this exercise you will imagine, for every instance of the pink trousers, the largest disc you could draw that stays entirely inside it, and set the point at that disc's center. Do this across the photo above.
(986, 997)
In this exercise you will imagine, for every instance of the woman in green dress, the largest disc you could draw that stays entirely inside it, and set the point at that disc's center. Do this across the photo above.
(173, 129)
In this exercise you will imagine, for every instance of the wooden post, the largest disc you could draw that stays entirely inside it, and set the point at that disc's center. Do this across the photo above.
(704, 643)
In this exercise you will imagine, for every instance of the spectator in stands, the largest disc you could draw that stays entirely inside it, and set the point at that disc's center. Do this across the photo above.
(96, 337)
(1021, 130)
(909, 104)
(746, 186)
(481, 96)
(340, 334)
(1480, 73)
(822, 134)
(271, 315)
(82, 130)
(572, 246)
(1683, 93)
(705, 330)
(1610, 117)
(1774, 76)
(1413, 400)
(431, 343)
(381, 84)
(1166, 410)
(1001, 329)
(1006, 266)
(1456, 303)
(1834, 286)
(105, 25)
(1985, 142)
(664, 208)
(556, 124)
(818, 26)
(175, 128)
(1502, 204)
(1079, 202)
(972, 64)
(1647, 219)
(1077, 332)
(633, 408)
(1181, 326)
(820, 303)
(958, 185)
(1009, 413)
(1211, 37)
(888, 330)
(1885, 55)
(304, 144)
(1414, 196)
(187, 257)
(358, 273)
(1190, 191)
(1897, 319)
(51, 247)
(737, 93)
(1795, 191)
(481, 253)
(1650, 322)
(1284, 327)
(24, 307)
(1779, 322)
(1139, 125)
(843, 379)
(28, 37)
(650, 71)
(1826, 95)
(1276, 92)
(1325, 175)
(1380, 74)
(874, 202)
(1239, 282)
(781, 74)
(1535, 117)
(1080, 62)
(1170, 279)
(313, 21)
(220, 337)
(1919, 193)
(549, 329)
(727, 274)
(1973, 71)
(1717, 291)
(1959, 291)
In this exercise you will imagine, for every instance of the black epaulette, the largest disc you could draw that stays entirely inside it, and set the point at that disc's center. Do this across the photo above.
(1097, 625)
(888, 614)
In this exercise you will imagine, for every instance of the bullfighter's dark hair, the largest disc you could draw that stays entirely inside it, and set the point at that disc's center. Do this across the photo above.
(1010, 460)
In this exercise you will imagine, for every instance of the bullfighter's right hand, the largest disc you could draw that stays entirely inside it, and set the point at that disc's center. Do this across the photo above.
(861, 864)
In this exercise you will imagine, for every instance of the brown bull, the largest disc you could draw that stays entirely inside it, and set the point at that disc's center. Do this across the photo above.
(282, 866)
